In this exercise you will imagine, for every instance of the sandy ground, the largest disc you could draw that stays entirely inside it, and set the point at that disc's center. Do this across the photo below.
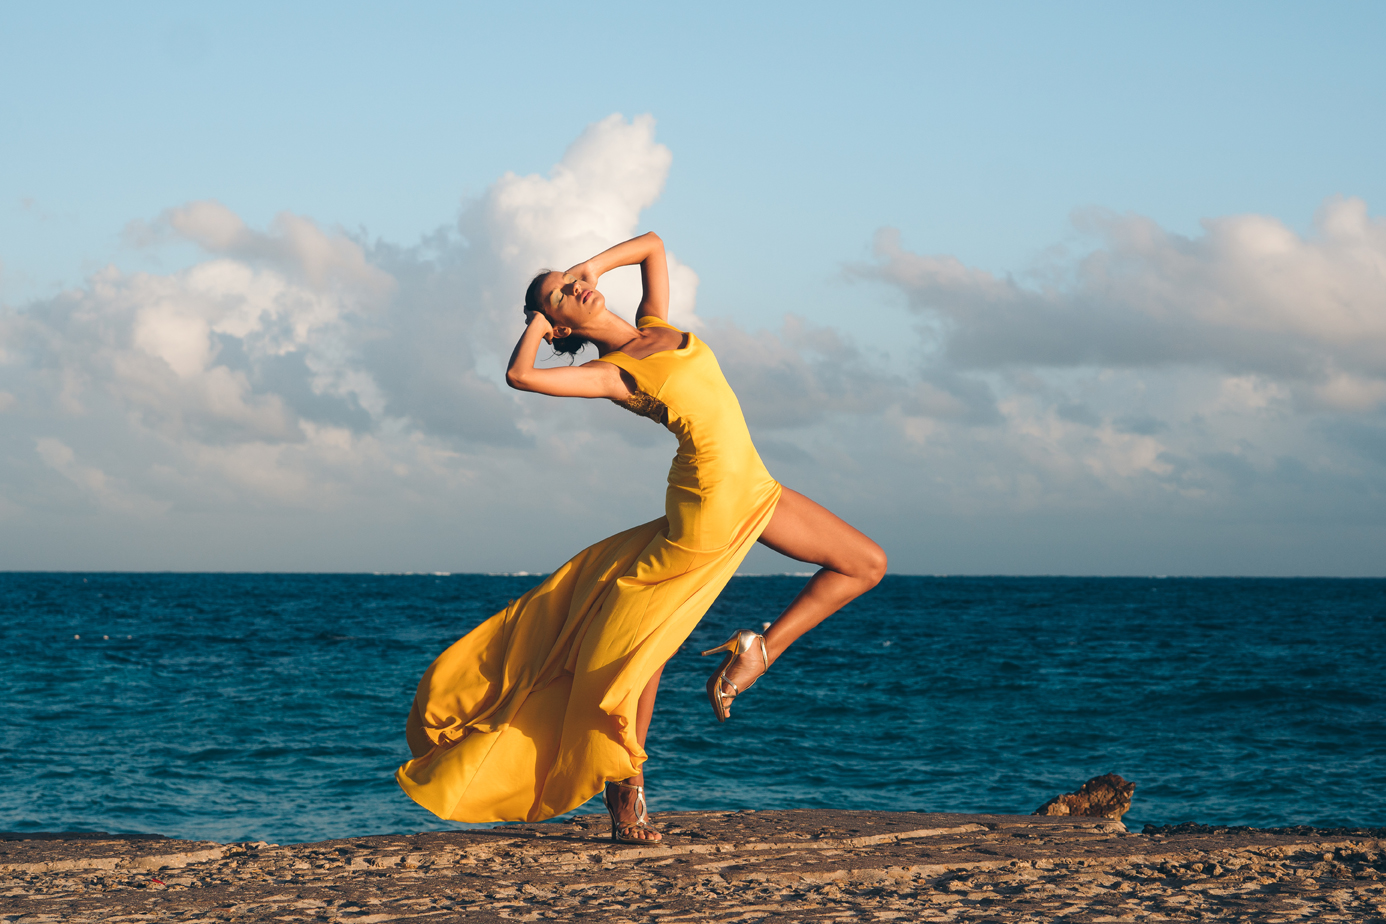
(745, 866)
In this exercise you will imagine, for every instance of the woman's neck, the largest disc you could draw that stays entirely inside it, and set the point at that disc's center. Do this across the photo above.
(608, 331)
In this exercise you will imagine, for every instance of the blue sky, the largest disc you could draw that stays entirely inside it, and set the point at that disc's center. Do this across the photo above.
(796, 133)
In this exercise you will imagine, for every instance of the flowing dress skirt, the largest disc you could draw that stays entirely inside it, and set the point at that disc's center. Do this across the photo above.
(531, 713)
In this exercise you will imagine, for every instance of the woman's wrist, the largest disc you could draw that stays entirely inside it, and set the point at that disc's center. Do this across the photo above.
(587, 271)
(535, 320)
(627, 253)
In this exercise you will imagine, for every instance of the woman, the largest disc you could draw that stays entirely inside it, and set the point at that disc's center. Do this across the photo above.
(549, 701)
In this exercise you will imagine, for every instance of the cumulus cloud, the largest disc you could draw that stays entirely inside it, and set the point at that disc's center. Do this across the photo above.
(594, 196)
(460, 305)
(1247, 297)
(1154, 366)
(301, 397)
(297, 367)
(293, 244)
(802, 374)
(94, 484)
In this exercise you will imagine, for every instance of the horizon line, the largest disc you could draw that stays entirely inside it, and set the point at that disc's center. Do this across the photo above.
(740, 574)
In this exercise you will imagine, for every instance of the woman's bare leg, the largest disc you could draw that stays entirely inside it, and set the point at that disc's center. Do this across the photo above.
(851, 564)
(625, 799)
(644, 709)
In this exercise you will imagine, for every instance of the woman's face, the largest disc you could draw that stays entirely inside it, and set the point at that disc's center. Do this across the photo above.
(568, 301)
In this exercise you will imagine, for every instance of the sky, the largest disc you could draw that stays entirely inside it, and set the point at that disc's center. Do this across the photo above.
(1073, 288)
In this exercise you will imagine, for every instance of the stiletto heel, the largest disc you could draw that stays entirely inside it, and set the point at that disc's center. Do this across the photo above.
(624, 833)
(740, 643)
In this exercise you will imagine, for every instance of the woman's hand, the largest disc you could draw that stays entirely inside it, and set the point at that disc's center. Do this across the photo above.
(588, 272)
(646, 250)
(590, 380)
(534, 318)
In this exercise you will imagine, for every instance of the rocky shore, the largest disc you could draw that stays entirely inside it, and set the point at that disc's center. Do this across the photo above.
(745, 866)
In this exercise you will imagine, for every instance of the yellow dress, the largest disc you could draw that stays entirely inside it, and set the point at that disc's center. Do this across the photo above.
(529, 715)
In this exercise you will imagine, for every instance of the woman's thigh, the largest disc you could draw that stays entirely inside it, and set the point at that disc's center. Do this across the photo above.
(810, 532)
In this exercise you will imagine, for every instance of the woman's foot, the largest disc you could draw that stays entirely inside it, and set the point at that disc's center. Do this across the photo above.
(630, 822)
(746, 661)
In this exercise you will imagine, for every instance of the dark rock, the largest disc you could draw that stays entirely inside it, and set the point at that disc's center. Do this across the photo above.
(1107, 796)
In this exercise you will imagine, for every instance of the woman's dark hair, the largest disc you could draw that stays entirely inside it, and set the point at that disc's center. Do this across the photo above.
(571, 345)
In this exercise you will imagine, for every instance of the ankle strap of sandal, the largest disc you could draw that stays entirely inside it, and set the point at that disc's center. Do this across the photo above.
(641, 812)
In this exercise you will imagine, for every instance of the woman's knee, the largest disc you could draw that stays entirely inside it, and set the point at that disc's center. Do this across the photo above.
(871, 563)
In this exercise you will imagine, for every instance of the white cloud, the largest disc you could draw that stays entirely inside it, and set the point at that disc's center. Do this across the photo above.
(592, 198)
(1156, 370)
(293, 244)
(299, 369)
(802, 374)
(459, 308)
(301, 398)
(93, 483)
(1248, 296)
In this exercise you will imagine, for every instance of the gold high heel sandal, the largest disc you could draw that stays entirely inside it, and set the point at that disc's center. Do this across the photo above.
(624, 833)
(740, 643)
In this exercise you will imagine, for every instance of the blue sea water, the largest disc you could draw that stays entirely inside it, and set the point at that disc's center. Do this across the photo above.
(271, 707)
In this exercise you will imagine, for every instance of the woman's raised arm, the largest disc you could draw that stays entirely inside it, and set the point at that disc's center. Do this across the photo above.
(648, 251)
(590, 380)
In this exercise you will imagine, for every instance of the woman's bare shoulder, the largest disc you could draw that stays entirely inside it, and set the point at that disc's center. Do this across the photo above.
(655, 339)
(622, 383)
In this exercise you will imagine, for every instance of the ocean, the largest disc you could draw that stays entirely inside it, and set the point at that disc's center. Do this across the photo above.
(271, 706)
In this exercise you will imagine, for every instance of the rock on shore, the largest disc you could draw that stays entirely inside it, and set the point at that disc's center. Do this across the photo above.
(1107, 796)
(804, 865)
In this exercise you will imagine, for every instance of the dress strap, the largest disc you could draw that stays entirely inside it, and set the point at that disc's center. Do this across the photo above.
(650, 320)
